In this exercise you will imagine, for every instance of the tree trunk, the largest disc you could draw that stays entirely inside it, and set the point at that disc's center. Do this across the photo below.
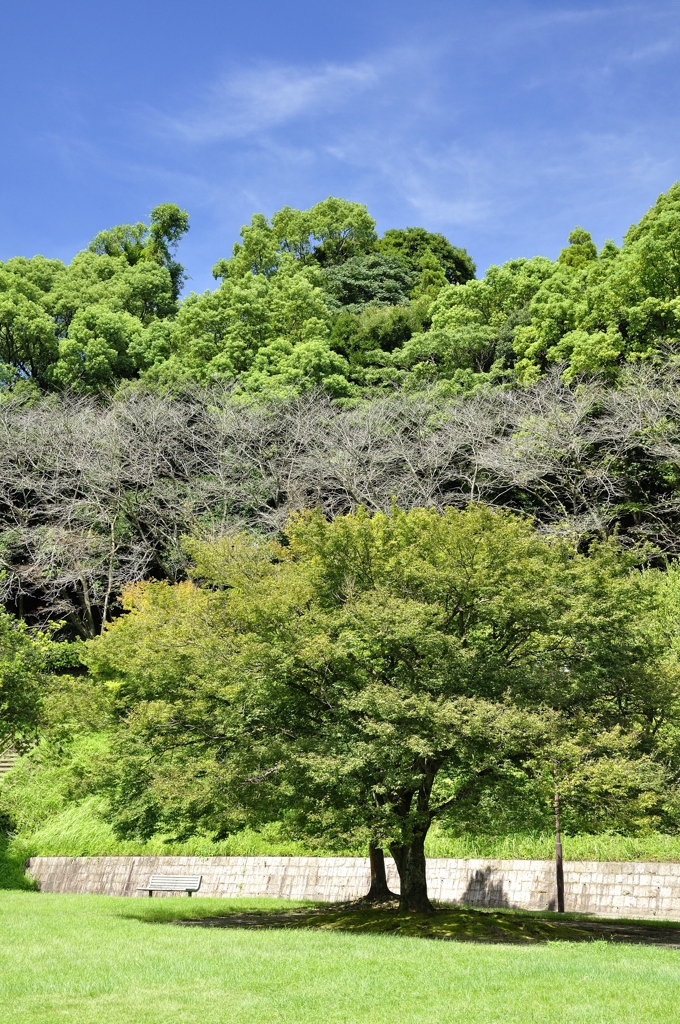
(410, 861)
(379, 891)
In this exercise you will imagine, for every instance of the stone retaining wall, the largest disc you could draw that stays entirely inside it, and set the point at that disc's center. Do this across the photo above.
(645, 890)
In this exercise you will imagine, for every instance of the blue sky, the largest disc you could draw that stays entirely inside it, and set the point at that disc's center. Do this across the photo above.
(502, 125)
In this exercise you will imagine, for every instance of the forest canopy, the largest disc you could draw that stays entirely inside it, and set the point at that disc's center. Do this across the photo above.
(315, 298)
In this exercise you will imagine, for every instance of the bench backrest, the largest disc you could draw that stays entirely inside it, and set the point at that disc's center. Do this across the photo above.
(167, 883)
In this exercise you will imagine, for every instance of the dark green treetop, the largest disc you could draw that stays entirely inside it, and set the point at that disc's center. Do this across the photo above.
(411, 244)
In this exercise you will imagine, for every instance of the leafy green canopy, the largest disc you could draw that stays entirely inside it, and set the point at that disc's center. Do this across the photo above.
(599, 310)
(299, 302)
(153, 244)
(419, 248)
(82, 326)
(113, 313)
(588, 312)
(314, 298)
(373, 674)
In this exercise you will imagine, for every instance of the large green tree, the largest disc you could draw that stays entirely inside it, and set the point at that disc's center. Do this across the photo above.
(413, 244)
(600, 310)
(153, 243)
(372, 674)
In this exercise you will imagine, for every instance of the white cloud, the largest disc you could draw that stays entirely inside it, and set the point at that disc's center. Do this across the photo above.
(253, 101)
(653, 51)
(489, 135)
(386, 128)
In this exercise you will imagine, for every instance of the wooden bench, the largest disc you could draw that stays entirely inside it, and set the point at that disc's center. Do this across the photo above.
(172, 883)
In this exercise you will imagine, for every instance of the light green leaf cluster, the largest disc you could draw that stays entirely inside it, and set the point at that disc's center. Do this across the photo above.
(268, 325)
(25, 675)
(473, 326)
(266, 331)
(600, 310)
(83, 325)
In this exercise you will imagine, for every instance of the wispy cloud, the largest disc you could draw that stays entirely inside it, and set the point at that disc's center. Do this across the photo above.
(445, 183)
(503, 138)
(651, 52)
(252, 101)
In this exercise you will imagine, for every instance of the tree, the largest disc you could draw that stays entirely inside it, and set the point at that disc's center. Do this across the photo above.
(155, 243)
(359, 274)
(432, 277)
(412, 244)
(84, 325)
(330, 232)
(596, 313)
(28, 341)
(369, 280)
(368, 337)
(368, 676)
(94, 495)
(580, 251)
(269, 332)
(474, 326)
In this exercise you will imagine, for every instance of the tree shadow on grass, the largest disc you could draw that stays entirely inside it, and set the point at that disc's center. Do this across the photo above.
(464, 924)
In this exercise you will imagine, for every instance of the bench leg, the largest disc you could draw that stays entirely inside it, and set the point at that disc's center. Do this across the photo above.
(150, 893)
(188, 892)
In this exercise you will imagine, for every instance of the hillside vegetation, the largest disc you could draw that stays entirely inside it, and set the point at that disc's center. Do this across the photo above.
(315, 298)
(354, 549)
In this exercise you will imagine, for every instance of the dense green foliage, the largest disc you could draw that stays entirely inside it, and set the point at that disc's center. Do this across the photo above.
(50, 822)
(29, 663)
(80, 326)
(315, 298)
(358, 682)
(57, 806)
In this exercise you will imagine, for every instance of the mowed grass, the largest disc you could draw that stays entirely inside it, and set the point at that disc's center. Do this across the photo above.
(107, 960)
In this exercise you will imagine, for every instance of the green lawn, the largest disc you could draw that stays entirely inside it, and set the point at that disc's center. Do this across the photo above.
(105, 960)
